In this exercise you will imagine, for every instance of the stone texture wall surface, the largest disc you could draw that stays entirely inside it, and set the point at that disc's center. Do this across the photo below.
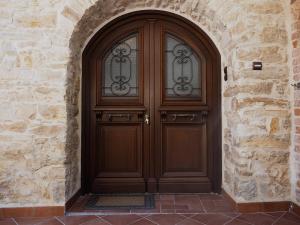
(295, 152)
(40, 63)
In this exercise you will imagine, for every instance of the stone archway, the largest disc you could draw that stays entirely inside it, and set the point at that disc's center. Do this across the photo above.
(248, 157)
(80, 37)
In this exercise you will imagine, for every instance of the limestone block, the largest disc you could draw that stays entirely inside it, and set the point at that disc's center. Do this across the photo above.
(52, 112)
(32, 20)
(264, 7)
(247, 190)
(259, 101)
(272, 54)
(270, 141)
(13, 126)
(48, 130)
(255, 89)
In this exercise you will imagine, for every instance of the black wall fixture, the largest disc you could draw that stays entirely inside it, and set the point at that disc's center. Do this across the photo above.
(296, 85)
(257, 65)
(225, 73)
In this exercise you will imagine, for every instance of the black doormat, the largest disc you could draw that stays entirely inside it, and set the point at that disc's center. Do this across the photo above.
(120, 201)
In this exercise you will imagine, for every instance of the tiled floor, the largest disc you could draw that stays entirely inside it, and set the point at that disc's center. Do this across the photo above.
(202, 209)
(170, 203)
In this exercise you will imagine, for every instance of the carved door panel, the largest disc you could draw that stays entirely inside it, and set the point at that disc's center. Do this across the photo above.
(152, 108)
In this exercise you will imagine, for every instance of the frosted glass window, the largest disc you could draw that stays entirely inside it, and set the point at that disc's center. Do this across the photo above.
(120, 69)
(182, 76)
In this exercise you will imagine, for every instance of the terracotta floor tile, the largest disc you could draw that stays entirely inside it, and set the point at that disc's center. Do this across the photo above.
(193, 211)
(172, 211)
(211, 196)
(188, 215)
(217, 206)
(121, 219)
(211, 218)
(165, 202)
(143, 222)
(283, 221)
(187, 199)
(257, 218)
(291, 217)
(95, 222)
(189, 222)
(76, 220)
(167, 197)
(51, 222)
(239, 222)
(166, 219)
(36, 220)
(231, 214)
(198, 206)
(275, 214)
(163, 206)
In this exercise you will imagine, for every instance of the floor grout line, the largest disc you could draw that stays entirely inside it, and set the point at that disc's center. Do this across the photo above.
(232, 219)
(275, 221)
(13, 219)
(191, 218)
(182, 220)
(59, 220)
(151, 221)
(202, 205)
(245, 221)
(48, 219)
(136, 220)
(104, 220)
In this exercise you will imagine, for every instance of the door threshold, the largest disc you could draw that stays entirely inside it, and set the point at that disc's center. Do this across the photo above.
(164, 204)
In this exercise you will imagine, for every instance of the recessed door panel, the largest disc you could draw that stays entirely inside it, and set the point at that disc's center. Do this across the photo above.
(119, 150)
(184, 150)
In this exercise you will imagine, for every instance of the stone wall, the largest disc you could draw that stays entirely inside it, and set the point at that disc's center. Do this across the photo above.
(40, 60)
(257, 133)
(295, 42)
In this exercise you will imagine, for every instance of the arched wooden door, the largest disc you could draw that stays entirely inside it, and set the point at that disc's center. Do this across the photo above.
(151, 107)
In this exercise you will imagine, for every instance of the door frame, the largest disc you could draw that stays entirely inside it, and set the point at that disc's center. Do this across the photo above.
(85, 108)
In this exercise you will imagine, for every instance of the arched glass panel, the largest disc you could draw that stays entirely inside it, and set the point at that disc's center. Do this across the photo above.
(120, 76)
(183, 68)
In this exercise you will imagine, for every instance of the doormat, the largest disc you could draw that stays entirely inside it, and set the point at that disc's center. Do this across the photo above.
(120, 201)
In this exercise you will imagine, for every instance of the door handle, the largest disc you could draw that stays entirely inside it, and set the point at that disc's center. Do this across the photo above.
(110, 116)
(191, 116)
(147, 119)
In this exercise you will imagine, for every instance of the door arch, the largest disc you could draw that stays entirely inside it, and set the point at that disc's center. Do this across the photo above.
(179, 151)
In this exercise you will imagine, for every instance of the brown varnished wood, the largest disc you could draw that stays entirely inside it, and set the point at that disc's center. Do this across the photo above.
(122, 153)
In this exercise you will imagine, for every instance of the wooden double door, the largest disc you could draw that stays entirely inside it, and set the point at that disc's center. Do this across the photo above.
(151, 107)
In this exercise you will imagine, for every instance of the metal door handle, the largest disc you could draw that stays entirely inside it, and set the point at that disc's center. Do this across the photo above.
(147, 119)
(110, 116)
(191, 116)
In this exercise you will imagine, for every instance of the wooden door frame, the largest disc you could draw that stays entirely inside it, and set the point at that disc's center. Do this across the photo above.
(85, 121)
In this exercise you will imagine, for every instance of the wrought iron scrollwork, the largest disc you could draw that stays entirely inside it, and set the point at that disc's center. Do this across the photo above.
(120, 84)
(121, 69)
(184, 68)
(182, 59)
